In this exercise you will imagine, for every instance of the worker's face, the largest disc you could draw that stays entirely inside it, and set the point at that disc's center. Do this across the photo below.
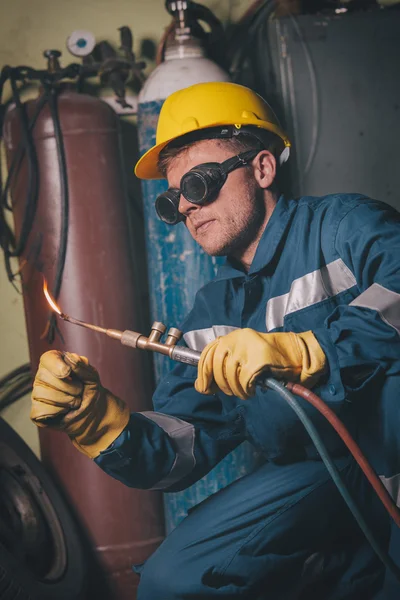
(229, 224)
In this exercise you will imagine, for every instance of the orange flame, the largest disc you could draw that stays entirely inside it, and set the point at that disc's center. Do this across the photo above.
(49, 299)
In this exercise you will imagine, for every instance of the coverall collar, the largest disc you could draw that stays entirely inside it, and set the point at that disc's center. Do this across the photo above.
(268, 245)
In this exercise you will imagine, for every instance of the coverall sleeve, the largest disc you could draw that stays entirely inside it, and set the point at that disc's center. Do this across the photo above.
(179, 442)
(361, 340)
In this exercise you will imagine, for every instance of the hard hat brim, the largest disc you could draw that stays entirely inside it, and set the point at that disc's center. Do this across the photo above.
(146, 167)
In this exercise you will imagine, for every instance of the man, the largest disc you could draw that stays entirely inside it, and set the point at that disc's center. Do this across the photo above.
(309, 293)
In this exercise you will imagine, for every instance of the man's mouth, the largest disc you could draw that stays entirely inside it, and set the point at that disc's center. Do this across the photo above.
(202, 225)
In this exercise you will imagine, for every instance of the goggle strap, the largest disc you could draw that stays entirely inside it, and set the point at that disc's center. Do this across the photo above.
(241, 159)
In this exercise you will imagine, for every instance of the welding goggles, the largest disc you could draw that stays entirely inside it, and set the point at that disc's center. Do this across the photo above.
(200, 185)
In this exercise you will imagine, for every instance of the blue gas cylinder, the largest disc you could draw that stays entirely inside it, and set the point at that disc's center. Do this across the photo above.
(178, 267)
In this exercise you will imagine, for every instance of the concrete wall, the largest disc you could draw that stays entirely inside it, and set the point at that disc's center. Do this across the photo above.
(27, 28)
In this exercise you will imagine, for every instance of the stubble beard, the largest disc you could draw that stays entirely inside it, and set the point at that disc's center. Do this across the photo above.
(240, 240)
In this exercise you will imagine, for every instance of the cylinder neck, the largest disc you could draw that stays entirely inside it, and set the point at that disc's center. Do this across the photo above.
(184, 48)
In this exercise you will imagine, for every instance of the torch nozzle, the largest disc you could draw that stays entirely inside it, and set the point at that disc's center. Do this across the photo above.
(116, 334)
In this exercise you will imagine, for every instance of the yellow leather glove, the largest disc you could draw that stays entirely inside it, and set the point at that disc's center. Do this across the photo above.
(67, 395)
(234, 361)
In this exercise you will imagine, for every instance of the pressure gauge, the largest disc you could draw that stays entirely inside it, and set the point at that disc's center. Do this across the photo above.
(81, 43)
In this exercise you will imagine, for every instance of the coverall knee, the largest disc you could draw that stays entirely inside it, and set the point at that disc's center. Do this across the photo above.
(280, 533)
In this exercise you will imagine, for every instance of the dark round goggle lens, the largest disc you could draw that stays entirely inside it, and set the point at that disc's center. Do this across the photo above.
(194, 187)
(200, 185)
(167, 207)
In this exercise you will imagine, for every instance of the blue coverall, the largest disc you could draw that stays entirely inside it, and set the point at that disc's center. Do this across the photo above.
(330, 265)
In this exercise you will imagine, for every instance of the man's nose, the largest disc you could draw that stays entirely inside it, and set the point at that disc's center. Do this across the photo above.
(185, 207)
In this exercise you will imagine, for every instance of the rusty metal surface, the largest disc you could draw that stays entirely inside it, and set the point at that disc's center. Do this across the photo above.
(99, 285)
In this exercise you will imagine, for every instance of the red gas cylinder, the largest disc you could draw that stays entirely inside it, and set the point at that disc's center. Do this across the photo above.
(99, 285)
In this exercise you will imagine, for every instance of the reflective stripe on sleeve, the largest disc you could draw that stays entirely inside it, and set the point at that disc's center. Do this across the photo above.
(384, 301)
(329, 281)
(198, 339)
(392, 484)
(182, 434)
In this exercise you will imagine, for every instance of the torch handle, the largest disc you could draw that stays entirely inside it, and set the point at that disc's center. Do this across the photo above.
(192, 357)
(185, 355)
(178, 353)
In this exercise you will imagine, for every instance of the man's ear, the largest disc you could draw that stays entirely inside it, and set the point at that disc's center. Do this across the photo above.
(264, 167)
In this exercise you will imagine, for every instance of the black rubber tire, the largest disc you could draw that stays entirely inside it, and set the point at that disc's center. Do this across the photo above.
(17, 581)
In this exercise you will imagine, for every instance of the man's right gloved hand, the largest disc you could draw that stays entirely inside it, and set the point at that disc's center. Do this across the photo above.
(67, 395)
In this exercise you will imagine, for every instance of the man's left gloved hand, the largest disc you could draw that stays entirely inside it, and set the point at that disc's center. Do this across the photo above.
(234, 361)
(67, 395)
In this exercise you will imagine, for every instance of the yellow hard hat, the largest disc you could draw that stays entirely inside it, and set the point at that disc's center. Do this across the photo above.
(205, 105)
